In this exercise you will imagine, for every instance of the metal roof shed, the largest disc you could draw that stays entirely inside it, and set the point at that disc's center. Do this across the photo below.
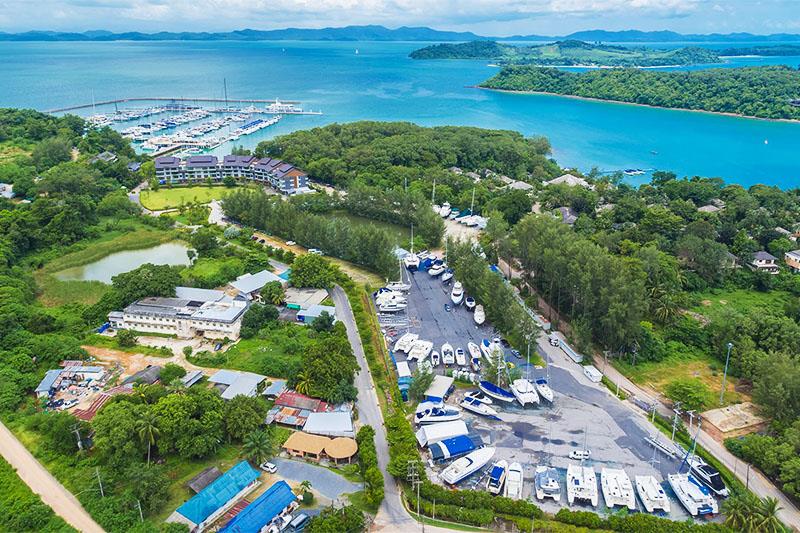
(333, 424)
(429, 434)
(263, 510)
(50, 377)
(438, 389)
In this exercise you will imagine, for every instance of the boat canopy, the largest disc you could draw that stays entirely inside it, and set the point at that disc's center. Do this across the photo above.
(455, 447)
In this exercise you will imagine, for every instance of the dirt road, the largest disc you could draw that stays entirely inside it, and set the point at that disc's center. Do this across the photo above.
(53, 493)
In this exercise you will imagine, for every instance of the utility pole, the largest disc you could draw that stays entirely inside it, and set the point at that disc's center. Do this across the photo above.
(99, 481)
(677, 412)
(691, 420)
(725, 374)
(413, 477)
(139, 505)
(76, 430)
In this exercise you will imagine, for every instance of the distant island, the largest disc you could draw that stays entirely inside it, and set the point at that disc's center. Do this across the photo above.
(771, 92)
(769, 50)
(381, 33)
(568, 53)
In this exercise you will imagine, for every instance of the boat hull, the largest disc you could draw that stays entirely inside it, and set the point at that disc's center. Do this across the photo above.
(496, 392)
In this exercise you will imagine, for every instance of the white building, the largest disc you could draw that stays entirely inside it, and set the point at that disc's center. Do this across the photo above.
(570, 180)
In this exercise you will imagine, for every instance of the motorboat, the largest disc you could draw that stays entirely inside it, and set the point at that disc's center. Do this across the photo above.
(386, 290)
(475, 362)
(437, 209)
(525, 392)
(411, 261)
(431, 413)
(447, 275)
(437, 269)
(478, 395)
(514, 482)
(709, 476)
(474, 351)
(496, 392)
(582, 484)
(693, 495)
(447, 352)
(462, 468)
(444, 211)
(617, 488)
(497, 477)
(489, 349)
(448, 358)
(435, 359)
(480, 316)
(652, 494)
(420, 351)
(545, 483)
(390, 299)
(386, 295)
(391, 307)
(469, 303)
(405, 342)
(457, 294)
(398, 286)
(461, 357)
(544, 390)
(479, 408)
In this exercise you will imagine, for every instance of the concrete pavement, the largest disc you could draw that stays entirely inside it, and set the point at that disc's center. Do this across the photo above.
(42, 482)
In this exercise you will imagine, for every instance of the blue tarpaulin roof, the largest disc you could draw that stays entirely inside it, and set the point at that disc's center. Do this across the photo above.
(455, 447)
(219, 492)
(262, 511)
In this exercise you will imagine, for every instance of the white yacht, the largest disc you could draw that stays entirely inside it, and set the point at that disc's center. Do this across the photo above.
(437, 269)
(544, 390)
(420, 351)
(448, 358)
(693, 495)
(582, 484)
(405, 342)
(709, 476)
(461, 357)
(652, 494)
(617, 488)
(432, 413)
(545, 483)
(447, 275)
(479, 408)
(480, 316)
(435, 358)
(467, 465)
(479, 396)
(525, 392)
(398, 286)
(488, 348)
(411, 261)
(457, 294)
(437, 209)
(391, 307)
(497, 476)
(469, 303)
(514, 481)
(444, 211)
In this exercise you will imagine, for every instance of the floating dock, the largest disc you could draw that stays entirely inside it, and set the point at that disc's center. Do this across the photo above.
(170, 99)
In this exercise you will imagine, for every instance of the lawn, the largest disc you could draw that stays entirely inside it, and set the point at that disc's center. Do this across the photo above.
(171, 198)
(102, 341)
(710, 303)
(56, 292)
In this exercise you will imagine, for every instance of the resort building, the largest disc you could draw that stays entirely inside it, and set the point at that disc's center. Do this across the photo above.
(283, 177)
(764, 262)
(250, 285)
(793, 260)
(191, 313)
(316, 447)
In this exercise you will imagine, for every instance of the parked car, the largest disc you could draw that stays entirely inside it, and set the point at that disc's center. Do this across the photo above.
(579, 454)
(290, 243)
(315, 251)
(269, 467)
(69, 404)
(554, 341)
(299, 522)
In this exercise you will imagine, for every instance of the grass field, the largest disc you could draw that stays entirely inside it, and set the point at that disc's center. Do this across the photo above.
(10, 151)
(102, 341)
(710, 303)
(178, 196)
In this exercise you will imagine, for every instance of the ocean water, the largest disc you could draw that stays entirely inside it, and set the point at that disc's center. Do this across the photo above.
(380, 82)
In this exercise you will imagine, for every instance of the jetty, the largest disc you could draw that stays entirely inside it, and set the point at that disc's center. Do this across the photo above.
(225, 101)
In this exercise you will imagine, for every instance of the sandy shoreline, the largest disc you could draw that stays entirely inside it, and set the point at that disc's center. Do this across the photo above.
(592, 99)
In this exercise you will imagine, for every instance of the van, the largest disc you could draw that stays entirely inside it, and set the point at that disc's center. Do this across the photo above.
(299, 522)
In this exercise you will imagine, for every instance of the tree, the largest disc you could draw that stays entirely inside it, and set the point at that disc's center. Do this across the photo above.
(777, 387)
(256, 318)
(332, 520)
(204, 240)
(273, 292)
(187, 351)
(302, 382)
(149, 485)
(311, 270)
(229, 181)
(191, 424)
(171, 371)
(146, 280)
(691, 392)
(420, 382)
(126, 338)
(51, 152)
(259, 446)
(115, 432)
(305, 486)
(244, 415)
(330, 366)
(147, 429)
(324, 322)
(767, 520)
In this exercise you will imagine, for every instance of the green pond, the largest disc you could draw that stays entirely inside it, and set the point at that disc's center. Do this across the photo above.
(170, 253)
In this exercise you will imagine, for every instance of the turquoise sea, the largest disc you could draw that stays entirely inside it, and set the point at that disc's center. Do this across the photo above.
(381, 83)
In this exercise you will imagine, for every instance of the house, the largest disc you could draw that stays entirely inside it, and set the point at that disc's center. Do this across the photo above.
(232, 383)
(6, 191)
(203, 479)
(191, 377)
(792, 260)
(202, 168)
(333, 424)
(730, 261)
(520, 186)
(710, 208)
(307, 316)
(764, 262)
(315, 447)
(134, 166)
(147, 376)
(265, 511)
(571, 181)
(567, 214)
(48, 383)
(105, 157)
(74, 372)
(250, 285)
(292, 409)
(786, 233)
(275, 389)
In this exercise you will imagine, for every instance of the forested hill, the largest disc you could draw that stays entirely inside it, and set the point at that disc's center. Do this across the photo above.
(763, 92)
(569, 52)
(774, 50)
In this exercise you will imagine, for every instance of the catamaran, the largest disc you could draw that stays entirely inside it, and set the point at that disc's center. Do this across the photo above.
(514, 482)
(497, 476)
(496, 392)
(461, 357)
(431, 413)
(457, 294)
(693, 495)
(582, 484)
(652, 494)
(617, 488)
(420, 351)
(545, 483)
(405, 342)
(479, 408)
(480, 316)
(525, 392)
(466, 466)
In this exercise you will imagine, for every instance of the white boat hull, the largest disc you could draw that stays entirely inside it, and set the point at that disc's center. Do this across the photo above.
(479, 408)
(693, 495)
(545, 391)
(525, 392)
(582, 485)
(617, 488)
(541, 493)
(651, 494)
(466, 466)
(514, 482)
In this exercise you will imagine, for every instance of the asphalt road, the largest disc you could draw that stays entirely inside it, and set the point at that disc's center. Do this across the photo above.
(42, 482)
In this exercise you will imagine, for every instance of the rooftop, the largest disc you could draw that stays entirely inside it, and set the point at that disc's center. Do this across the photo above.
(48, 381)
(300, 401)
(333, 424)
(201, 161)
(218, 493)
(167, 161)
(237, 383)
(263, 510)
(306, 443)
(763, 256)
(237, 160)
(570, 180)
(249, 283)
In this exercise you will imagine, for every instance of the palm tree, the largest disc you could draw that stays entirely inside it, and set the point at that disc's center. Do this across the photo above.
(147, 428)
(305, 486)
(766, 519)
(737, 511)
(303, 384)
(258, 446)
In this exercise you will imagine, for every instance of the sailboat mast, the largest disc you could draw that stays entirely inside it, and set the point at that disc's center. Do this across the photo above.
(472, 205)
(225, 90)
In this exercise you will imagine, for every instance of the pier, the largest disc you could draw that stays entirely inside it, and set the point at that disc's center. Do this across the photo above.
(226, 101)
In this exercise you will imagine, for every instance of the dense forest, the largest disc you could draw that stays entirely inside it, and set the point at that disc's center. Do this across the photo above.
(767, 50)
(570, 52)
(763, 92)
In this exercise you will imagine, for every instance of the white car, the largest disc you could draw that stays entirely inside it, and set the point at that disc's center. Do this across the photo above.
(554, 341)
(69, 404)
(269, 467)
(579, 455)
(315, 251)
(290, 243)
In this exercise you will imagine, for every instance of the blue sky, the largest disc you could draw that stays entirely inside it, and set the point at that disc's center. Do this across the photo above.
(485, 17)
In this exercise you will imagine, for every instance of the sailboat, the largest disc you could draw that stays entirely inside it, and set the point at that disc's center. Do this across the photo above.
(411, 261)
(617, 488)
(496, 392)
(695, 497)
(544, 390)
(652, 494)
(444, 211)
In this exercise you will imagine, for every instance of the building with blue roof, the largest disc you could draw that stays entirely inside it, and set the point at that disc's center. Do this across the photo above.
(47, 383)
(276, 501)
(209, 504)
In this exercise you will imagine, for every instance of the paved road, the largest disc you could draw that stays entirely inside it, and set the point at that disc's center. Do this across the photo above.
(328, 483)
(53, 493)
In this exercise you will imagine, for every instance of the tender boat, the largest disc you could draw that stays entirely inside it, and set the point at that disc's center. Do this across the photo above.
(545, 483)
(411, 261)
(457, 294)
(479, 408)
(709, 476)
(405, 342)
(498, 393)
(398, 286)
(444, 211)
(448, 358)
(435, 359)
(544, 390)
(431, 413)
(478, 395)
(466, 466)
(480, 316)
(497, 476)
(447, 275)
(420, 351)
(437, 270)
(617, 488)
(693, 495)
(525, 392)
(652, 494)
(469, 303)
(582, 484)
(461, 357)
(514, 482)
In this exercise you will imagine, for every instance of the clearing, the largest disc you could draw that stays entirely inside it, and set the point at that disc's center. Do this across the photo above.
(712, 302)
(165, 198)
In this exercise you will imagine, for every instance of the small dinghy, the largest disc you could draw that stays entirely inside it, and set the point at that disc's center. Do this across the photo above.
(479, 396)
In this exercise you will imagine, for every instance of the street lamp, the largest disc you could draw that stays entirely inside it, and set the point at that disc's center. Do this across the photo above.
(725, 373)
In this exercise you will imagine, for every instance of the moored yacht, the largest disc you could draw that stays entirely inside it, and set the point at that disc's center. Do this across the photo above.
(617, 488)
(496, 392)
(479, 408)
(431, 413)
(467, 465)
(525, 392)
(544, 390)
(514, 482)
(461, 357)
(497, 477)
(709, 476)
(582, 484)
(545, 483)
(457, 294)
(652, 494)
(693, 495)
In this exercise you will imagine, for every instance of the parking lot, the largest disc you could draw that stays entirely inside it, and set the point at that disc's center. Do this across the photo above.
(583, 411)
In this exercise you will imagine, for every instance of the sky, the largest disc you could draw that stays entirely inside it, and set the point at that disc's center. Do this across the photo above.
(484, 17)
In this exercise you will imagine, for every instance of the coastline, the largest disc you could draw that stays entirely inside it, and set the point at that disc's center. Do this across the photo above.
(593, 99)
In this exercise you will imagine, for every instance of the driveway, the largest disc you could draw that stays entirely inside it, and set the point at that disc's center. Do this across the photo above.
(329, 484)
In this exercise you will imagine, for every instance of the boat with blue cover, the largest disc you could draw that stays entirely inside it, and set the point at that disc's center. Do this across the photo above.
(455, 447)
(496, 392)
(497, 477)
